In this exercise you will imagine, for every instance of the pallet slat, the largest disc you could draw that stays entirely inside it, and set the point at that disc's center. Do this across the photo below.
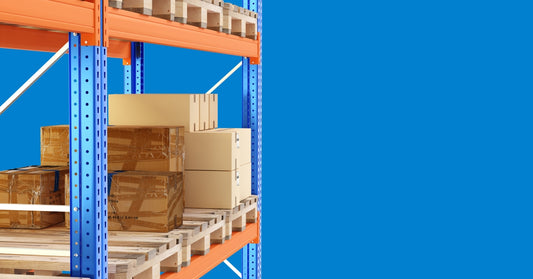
(132, 255)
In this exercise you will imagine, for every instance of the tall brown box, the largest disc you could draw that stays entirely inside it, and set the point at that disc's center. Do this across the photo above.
(129, 147)
(32, 185)
(155, 110)
(144, 201)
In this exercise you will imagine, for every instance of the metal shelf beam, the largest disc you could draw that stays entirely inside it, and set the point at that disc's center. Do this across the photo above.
(129, 26)
(61, 15)
(14, 37)
(200, 265)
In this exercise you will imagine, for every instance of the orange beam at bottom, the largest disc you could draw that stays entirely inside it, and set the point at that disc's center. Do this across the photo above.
(200, 265)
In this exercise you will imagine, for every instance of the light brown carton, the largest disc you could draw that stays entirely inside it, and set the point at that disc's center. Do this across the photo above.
(32, 185)
(204, 112)
(143, 201)
(129, 147)
(213, 111)
(217, 189)
(155, 110)
(218, 149)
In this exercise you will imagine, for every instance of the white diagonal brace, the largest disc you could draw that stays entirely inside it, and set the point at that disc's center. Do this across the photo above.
(224, 78)
(34, 207)
(34, 78)
(233, 268)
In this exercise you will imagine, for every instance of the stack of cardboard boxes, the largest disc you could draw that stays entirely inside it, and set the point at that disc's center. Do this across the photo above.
(217, 161)
(165, 152)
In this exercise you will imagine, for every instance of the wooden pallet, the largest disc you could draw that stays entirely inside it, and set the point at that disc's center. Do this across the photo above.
(201, 13)
(239, 21)
(132, 255)
(138, 6)
(115, 4)
(158, 8)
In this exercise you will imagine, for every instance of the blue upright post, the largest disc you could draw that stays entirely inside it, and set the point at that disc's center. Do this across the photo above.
(88, 159)
(134, 73)
(252, 118)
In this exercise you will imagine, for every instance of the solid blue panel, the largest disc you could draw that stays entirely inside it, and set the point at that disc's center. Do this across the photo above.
(88, 128)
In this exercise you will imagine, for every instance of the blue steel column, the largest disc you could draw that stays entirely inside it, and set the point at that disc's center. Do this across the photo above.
(134, 73)
(88, 159)
(253, 118)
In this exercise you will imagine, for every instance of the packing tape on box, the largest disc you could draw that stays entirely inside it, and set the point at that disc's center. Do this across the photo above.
(110, 180)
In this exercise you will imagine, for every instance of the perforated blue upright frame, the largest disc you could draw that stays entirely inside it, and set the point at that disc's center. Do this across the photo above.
(252, 117)
(88, 159)
(134, 73)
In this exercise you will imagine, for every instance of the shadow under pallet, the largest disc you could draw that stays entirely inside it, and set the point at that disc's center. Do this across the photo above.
(44, 254)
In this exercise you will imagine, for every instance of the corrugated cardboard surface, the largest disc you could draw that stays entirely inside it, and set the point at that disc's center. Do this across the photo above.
(213, 111)
(155, 110)
(204, 112)
(217, 189)
(129, 147)
(145, 201)
(218, 149)
(32, 185)
(245, 186)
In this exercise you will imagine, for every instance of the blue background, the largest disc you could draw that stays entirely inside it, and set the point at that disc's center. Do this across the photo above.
(397, 134)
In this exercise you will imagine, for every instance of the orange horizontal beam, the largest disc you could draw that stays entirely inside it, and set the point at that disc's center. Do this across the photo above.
(200, 265)
(31, 39)
(61, 15)
(42, 40)
(129, 26)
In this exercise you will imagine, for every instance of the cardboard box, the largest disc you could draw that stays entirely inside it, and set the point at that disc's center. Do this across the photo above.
(155, 110)
(143, 201)
(32, 185)
(213, 111)
(204, 112)
(218, 149)
(217, 189)
(129, 148)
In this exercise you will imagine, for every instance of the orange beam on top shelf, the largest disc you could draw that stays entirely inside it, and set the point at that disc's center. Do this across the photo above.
(31, 39)
(129, 26)
(62, 15)
(42, 40)
(200, 265)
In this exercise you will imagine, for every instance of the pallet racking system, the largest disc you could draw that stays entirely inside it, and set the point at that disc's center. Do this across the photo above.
(95, 32)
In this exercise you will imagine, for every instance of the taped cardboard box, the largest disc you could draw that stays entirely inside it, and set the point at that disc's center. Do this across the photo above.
(143, 201)
(155, 110)
(129, 147)
(218, 149)
(217, 189)
(32, 185)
